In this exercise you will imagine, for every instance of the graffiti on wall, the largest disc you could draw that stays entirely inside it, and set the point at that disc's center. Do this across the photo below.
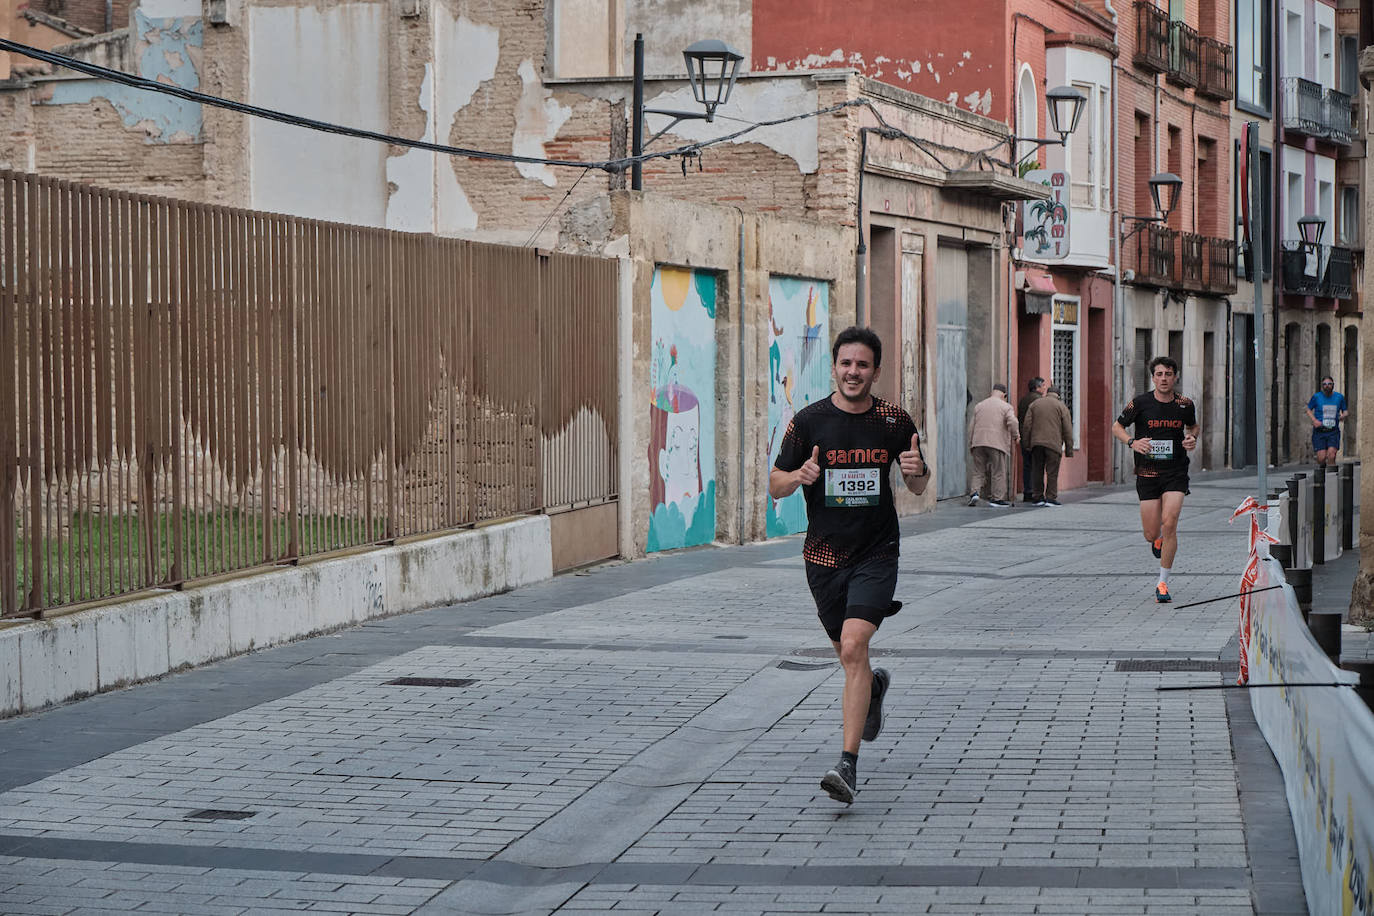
(798, 373)
(682, 411)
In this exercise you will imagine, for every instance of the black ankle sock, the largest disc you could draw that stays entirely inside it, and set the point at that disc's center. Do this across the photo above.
(851, 759)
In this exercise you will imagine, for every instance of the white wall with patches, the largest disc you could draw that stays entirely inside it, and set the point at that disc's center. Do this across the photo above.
(465, 56)
(328, 63)
(752, 101)
(669, 26)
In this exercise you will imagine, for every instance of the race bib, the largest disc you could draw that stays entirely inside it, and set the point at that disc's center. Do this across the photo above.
(1329, 416)
(848, 488)
(1161, 449)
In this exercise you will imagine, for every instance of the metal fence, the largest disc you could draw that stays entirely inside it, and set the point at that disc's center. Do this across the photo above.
(190, 390)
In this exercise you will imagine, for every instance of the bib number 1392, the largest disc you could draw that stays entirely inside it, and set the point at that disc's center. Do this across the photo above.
(847, 488)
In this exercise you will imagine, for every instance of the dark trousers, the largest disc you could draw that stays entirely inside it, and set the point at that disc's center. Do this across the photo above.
(1045, 473)
(1026, 472)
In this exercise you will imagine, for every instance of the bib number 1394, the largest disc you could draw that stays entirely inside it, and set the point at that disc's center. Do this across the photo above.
(847, 488)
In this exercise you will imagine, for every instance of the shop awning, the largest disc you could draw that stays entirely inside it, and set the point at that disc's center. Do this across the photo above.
(1038, 292)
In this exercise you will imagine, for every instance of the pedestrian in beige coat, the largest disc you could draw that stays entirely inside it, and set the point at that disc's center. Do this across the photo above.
(1049, 430)
(995, 434)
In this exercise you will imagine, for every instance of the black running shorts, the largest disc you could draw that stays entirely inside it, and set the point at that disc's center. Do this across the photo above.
(863, 590)
(1156, 487)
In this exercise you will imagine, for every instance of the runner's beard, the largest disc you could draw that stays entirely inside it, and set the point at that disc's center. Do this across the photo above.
(855, 398)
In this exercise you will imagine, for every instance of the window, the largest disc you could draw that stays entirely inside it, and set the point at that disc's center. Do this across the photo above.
(1349, 77)
(1254, 54)
(1350, 217)
(1144, 343)
(1265, 202)
(1083, 153)
(1064, 356)
(1326, 57)
(1105, 107)
(1027, 108)
(1176, 354)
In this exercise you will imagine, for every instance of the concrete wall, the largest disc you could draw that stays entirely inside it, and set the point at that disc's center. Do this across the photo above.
(63, 658)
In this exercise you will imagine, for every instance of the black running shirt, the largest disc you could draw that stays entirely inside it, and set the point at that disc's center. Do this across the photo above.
(849, 510)
(1164, 424)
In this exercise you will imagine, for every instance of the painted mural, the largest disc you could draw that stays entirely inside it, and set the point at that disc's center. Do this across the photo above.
(798, 373)
(682, 409)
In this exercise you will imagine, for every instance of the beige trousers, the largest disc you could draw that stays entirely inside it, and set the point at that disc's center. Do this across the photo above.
(989, 472)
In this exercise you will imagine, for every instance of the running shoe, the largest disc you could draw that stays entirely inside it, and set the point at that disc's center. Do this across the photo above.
(999, 504)
(1162, 594)
(873, 725)
(839, 782)
(1053, 503)
(1042, 503)
(1157, 547)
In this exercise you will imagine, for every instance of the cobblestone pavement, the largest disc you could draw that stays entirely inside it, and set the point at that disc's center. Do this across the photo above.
(648, 737)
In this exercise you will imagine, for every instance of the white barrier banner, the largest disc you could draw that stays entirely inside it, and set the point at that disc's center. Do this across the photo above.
(1323, 739)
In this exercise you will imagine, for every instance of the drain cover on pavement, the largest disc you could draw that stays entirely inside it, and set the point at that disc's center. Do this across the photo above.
(1169, 664)
(788, 665)
(431, 682)
(218, 814)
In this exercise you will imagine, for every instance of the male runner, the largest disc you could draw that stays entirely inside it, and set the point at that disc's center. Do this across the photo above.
(1165, 431)
(1326, 409)
(839, 450)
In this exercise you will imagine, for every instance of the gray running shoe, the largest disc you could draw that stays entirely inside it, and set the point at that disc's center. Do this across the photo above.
(873, 725)
(839, 782)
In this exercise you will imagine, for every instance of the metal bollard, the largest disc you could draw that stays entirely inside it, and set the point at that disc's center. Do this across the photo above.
(1326, 630)
(1301, 582)
(1347, 475)
(1293, 503)
(1319, 517)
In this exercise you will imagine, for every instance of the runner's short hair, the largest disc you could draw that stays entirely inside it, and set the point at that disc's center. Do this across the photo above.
(1166, 361)
(858, 335)
(1327, 378)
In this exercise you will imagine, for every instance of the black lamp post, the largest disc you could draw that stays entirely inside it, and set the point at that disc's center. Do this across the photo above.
(712, 67)
(1164, 191)
(1066, 106)
(1310, 228)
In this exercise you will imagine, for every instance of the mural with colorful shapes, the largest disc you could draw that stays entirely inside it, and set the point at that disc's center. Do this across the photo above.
(682, 409)
(798, 373)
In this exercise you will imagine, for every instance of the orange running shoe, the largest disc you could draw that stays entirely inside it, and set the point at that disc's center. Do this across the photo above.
(1157, 547)
(1162, 594)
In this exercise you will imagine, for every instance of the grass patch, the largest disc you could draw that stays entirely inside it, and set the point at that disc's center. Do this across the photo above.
(100, 556)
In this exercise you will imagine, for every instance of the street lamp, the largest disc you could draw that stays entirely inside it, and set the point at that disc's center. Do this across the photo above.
(1310, 228)
(1164, 191)
(1066, 106)
(712, 67)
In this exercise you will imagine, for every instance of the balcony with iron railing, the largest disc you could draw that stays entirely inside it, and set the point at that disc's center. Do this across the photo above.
(1323, 271)
(1217, 71)
(1151, 37)
(1185, 47)
(1149, 254)
(1188, 260)
(1219, 266)
(1304, 106)
(1338, 117)
(1163, 257)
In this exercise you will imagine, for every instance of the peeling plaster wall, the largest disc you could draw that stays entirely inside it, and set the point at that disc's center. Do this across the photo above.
(754, 101)
(167, 50)
(537, 120)
(466, 54)
(331, 64)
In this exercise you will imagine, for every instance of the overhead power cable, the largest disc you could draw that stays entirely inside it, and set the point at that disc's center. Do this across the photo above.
(606, 165)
